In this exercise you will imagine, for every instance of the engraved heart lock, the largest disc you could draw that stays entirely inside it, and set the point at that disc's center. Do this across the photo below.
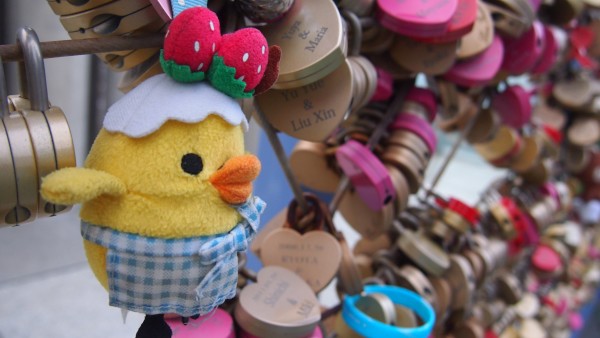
(313, 167)
(312, 37)
(312, 112)
(460, 24)
(367, 174)
(279, 304)
(416, 18)
(480, 37)
(114, 18)
(521, 54)
(310, 251)
(278, 221)
(480, 69)
(417, 56)
(513, 106)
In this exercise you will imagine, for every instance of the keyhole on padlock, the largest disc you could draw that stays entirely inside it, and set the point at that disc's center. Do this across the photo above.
(75, 2)
(105, 23)
(53, 209)
(17, 215)
(427, 291)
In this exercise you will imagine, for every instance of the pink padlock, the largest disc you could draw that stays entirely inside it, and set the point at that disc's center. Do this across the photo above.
(546, 260)
(549, 55)
(549, 189)
(576, 321)
(521, 54)
(513, 106)
(535, 4)
(163, 8)
(385, 86)
(317, 333)
(461, 23)
(425, 98)
(416, 18)
(417, 126)
(367, 174)
(478, 70)
(218, 324)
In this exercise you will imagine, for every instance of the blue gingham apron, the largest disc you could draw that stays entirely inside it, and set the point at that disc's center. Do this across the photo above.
(187, 276)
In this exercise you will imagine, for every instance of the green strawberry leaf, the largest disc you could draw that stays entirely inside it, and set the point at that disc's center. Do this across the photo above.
(180, 73)
(222, 77)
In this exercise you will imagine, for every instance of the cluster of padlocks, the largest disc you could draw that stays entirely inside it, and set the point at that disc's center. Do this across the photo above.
(516, 79)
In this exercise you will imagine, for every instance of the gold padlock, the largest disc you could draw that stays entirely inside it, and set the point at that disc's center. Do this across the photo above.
(38, 133)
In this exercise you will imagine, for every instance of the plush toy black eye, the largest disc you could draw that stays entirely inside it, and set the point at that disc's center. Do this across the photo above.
(192, 163)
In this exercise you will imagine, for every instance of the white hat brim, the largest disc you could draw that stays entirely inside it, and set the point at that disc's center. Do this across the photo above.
(159, 99)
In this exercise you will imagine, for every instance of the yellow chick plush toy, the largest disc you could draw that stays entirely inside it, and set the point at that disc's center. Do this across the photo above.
(166, 193)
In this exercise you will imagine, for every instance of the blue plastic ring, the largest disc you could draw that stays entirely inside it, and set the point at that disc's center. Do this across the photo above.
(369, 327)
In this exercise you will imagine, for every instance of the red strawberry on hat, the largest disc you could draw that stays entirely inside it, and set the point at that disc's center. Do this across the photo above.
(192, 39)
(237, 64)
(247, 51)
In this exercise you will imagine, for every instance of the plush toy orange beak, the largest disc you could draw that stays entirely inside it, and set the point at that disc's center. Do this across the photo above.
(234, 179)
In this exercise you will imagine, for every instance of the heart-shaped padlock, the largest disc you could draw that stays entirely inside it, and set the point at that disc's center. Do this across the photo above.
(514, 106)
(549, 54)
(313, 111)
(480, 69)
(416, 18)
(522, 53)
(480, 37)
(313, 167)
(367, 174)
(312, 37)
(460, 24)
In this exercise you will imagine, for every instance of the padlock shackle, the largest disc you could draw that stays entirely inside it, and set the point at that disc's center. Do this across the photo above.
(32, 73)
(3, 92)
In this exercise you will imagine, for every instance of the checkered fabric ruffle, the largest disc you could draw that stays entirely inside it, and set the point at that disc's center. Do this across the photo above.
(187, 276)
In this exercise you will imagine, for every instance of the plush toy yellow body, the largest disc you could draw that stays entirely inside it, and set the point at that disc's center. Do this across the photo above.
(166, 193)
(143, 188)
